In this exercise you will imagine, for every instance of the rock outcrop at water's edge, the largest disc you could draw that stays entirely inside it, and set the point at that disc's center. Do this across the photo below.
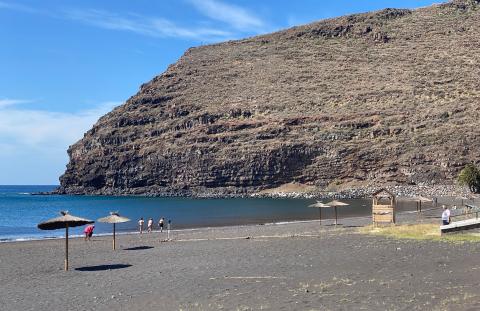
(385, 97)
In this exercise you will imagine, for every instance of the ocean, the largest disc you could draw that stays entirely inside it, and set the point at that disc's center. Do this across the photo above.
(20, 211)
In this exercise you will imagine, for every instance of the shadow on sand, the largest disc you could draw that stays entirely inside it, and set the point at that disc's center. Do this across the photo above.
(103, 267)
(137, 248)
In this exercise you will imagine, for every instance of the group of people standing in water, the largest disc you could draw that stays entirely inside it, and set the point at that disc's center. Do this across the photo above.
(161, 223)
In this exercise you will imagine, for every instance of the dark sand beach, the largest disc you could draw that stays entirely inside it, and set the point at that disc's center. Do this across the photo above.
(295, 266)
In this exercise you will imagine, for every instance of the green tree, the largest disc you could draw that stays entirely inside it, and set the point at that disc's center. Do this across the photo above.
(470, 176)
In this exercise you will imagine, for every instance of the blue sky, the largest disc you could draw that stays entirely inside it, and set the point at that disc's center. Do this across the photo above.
(63, 64)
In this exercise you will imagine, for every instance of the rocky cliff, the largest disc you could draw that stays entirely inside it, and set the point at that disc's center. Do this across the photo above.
(385, 97)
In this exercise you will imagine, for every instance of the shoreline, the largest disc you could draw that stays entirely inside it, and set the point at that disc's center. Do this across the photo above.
(209, 228)
(183, 230)
(199, 226)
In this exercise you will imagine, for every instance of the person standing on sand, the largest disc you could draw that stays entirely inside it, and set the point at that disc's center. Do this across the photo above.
(150, 225)
(160, 223)
(88, 232)
(140, 225)
(445, 215)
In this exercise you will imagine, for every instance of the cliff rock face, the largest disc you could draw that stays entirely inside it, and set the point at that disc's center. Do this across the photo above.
(390, 96)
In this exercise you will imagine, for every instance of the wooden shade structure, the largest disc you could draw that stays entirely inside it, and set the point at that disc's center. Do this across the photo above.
(64, 222)
(383, 207)
(319, 205)
(335, 204)
(114, 218)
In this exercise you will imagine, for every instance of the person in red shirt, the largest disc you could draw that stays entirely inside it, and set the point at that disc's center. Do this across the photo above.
(88, 232)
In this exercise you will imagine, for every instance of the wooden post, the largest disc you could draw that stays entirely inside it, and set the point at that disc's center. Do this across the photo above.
(393, 205)
(113, 236)
(66, 247)
(335, 208)
(320, 214)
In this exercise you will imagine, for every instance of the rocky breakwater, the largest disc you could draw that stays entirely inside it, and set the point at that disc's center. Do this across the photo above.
(383, 97)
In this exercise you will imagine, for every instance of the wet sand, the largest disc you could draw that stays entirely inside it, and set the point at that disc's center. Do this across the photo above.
(295, 266)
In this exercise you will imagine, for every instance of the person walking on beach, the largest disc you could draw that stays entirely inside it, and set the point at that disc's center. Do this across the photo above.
(88, 232)
(160, 223)
(140, 225)
(445, 215)
(150, 225)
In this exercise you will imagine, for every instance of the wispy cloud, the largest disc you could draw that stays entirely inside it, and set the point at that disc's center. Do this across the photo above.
(155, 27)
(33, 143)
(39, 129)
(11, 102)
(135, 23)
(18, 7)
(237, 17)
(236, 21)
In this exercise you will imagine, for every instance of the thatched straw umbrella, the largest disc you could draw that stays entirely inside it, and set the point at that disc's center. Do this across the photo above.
(114, 218)
(65, 221)
(335, 204)
(319, 205)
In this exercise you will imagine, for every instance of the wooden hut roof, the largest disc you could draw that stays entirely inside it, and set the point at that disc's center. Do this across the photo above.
(376, 193)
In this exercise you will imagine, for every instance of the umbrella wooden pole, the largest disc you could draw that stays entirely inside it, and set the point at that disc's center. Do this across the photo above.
(113, 236)
(66, 247)
(335, 216)
(320, 214)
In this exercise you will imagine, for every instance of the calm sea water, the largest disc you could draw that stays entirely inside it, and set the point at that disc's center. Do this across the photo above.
(20, 212)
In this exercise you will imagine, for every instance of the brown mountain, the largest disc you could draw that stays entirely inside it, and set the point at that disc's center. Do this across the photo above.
(388, 96)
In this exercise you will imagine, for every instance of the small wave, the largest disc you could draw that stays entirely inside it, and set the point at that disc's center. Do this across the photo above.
(37, 238)
(41, 238)
(6, 240)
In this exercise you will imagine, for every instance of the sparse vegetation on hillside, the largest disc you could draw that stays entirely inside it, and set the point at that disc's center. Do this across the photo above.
(470, 176)
(382, 97)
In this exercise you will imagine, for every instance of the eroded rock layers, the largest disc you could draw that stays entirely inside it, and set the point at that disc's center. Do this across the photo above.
(389, 96)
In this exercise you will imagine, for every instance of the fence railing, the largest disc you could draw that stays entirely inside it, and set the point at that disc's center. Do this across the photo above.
(465, 215)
